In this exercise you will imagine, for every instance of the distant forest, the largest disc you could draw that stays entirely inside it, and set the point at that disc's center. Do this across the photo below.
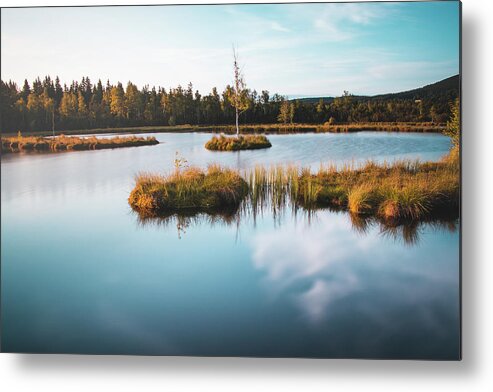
(84, 105)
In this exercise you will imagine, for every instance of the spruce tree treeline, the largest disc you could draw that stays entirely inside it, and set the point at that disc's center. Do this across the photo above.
(84, 105)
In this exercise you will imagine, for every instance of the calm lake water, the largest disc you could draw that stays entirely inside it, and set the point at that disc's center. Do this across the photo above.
(81, 274)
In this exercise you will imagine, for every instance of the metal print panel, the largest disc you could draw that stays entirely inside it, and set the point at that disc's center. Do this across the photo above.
(265, 180)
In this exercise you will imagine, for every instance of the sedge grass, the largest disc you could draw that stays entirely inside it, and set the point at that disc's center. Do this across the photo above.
(400, 191)
(188, 189)
(236, 143)
(67, 143)
(392, 192)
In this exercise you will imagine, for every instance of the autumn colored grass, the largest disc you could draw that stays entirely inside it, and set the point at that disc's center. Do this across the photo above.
(263, 128)
(401, 191)
(188, 189)
(236, 143)
(67, 143)
(381, 126)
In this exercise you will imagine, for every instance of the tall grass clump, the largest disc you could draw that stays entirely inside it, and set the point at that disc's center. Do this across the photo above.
(188, 189)
(236, 143)
(363, 198)
(410, 202)
(401, 191)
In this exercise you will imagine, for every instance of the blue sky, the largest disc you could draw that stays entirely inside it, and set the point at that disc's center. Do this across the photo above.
(292, 49)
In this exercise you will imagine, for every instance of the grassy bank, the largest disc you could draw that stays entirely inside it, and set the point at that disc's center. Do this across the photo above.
(405, 191)
(402, 191)
(382, 126)
(326, 127)
(188, 189)
(236, 143)
(261, 128)
(67, 143)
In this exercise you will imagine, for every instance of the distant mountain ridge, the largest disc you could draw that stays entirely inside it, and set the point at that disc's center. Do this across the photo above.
(445, 87)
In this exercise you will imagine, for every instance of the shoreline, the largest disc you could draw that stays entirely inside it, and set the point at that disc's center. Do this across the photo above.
(404, 127)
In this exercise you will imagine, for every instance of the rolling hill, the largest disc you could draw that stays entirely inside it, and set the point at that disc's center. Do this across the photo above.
(448, 88)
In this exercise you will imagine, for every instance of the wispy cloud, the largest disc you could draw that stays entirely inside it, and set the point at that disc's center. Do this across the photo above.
(338, 21)
(254, 23)
(279, 27)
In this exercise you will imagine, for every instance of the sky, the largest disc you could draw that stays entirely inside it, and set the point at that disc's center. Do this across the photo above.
(291, 49)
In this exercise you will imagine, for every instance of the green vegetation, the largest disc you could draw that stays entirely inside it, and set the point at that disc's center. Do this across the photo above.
(64, 143)
(402, 191)
(47, 105)
(237, 95)
(286, 113)
(242, 142)
(453, 126)
(188, 189)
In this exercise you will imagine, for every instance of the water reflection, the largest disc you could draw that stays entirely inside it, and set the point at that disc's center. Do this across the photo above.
(330, 271)
(317, 260)
(80, 274)
(182, 221)
(408, 233)
(248, 213)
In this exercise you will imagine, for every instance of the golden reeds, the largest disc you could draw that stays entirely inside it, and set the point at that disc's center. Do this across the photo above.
(67, 143)
(191, 188)
(394, 192)
(236, 143)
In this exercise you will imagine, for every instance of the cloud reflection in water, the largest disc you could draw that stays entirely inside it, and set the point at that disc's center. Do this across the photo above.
(323, 263)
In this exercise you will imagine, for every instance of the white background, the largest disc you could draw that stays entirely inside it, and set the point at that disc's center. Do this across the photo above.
(473, 373)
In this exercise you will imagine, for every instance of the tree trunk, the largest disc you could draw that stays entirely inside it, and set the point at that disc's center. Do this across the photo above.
(237, 126)
(53, 121)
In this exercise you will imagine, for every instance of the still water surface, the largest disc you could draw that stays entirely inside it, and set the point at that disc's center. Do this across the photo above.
(81, 274)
